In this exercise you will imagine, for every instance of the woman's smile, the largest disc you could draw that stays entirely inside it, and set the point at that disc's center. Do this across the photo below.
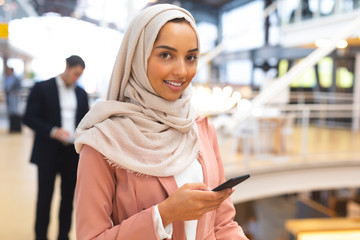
(176, 86)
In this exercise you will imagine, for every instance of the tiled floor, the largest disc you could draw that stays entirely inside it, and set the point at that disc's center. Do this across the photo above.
(18, 189)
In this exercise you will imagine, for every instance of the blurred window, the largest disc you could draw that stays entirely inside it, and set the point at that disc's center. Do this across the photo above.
(327, 7)
(306, 79)
(274, 31)
(239, 72)
(259, 76)
(287, 11)
(208, 35)
(344, 78)
(283, 67)
(346, 5)
(243, 27)
(325, 66)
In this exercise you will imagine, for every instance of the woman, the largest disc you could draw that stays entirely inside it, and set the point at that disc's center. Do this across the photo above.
(147, 162)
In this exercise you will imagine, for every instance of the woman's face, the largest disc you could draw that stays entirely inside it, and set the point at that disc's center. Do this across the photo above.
(173, 60)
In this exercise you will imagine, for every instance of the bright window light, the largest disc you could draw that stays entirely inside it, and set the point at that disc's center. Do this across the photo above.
(330, 235)
(320, 43)
(50, 39)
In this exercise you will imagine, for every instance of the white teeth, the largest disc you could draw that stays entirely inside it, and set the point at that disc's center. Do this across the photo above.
(174, 84)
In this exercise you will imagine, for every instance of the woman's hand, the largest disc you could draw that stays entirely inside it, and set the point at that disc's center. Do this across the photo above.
(190, 202)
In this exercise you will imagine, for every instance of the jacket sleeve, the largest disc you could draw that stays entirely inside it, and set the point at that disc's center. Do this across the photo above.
(225, 226)
(83, 103)
(95, 191)
(34, 108)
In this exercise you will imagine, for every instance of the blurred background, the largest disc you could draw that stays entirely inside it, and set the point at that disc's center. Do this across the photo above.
(280, 80)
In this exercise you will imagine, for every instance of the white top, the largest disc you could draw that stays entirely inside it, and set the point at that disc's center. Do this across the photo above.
(192, 174)
(68, 105)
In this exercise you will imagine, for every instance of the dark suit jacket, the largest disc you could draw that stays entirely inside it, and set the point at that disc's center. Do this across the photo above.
(43, 113)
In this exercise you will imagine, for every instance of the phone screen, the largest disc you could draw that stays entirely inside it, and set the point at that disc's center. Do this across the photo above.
(232, 182)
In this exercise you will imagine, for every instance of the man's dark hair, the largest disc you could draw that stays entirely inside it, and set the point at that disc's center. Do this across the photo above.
(75, 60)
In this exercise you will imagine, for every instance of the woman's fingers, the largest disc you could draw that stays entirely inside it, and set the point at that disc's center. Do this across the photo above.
(196, 186)
(190, 202)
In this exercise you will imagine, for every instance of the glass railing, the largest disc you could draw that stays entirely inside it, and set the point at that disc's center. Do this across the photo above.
(293, 133)
(312, 126)
(296, 11)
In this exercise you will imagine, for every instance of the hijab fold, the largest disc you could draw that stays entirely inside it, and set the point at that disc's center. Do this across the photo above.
(134, 128)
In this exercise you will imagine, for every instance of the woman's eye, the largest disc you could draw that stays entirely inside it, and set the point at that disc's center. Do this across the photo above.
(192, 58)
(165, 55)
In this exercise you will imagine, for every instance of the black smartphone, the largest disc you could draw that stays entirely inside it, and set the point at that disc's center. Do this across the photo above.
(232, 182)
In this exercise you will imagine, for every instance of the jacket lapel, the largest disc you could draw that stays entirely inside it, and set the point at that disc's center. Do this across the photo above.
(170, 186)
(201, 222)
(55, 92)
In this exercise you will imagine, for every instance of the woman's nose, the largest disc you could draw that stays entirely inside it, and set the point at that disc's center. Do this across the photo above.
(180, 69)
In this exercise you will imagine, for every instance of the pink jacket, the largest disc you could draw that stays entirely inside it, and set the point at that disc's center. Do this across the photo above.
(112, 203)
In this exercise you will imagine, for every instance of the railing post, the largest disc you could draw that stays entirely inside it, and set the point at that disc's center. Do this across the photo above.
(356, 95)
(304, 132)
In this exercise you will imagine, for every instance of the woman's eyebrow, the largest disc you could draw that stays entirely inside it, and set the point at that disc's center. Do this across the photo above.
(194, 50)
(167, 47)
(175, 50)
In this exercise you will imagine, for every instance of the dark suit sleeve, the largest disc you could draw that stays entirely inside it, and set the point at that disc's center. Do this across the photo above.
(83, 104)
(34, 111)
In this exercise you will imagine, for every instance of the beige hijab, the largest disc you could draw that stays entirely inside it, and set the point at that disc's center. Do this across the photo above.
(134, 128)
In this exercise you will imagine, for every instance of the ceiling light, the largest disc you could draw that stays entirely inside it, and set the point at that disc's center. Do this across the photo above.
(342, 44)
(320, 43)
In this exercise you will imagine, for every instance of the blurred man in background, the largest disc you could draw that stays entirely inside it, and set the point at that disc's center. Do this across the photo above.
(54, 109)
